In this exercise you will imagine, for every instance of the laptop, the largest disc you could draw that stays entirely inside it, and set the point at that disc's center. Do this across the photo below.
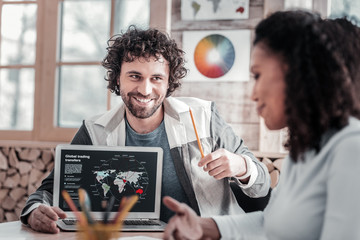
(106, 171)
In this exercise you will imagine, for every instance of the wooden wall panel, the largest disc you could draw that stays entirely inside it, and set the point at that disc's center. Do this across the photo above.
(249, 132)
(231, 98)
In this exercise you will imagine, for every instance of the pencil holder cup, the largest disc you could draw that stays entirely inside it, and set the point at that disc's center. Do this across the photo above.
(99, 231)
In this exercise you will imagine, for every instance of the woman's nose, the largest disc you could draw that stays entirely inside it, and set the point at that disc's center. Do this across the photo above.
(254, 94)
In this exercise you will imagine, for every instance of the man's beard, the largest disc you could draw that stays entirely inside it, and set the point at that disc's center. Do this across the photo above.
(136, 111)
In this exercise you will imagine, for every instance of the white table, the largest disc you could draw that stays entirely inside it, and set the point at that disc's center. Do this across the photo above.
(17, 231)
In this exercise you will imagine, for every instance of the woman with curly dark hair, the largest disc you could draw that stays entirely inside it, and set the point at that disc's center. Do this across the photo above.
(304, 83)
(342, 30)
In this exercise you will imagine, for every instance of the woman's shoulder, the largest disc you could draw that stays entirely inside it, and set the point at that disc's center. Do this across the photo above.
(349, 133)
(337, 144)
(346, 134)
(346, 142)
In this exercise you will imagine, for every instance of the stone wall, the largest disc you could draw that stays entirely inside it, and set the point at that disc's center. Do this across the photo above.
(21, 172)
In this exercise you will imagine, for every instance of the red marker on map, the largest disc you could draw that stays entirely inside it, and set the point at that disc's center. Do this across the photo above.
(139, 191)
(240, 10)
(124, 180)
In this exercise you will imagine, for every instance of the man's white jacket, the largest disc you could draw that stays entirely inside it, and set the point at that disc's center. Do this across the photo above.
(207, 196)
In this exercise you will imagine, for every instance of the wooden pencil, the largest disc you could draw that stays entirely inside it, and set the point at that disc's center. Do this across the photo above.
(196, 133)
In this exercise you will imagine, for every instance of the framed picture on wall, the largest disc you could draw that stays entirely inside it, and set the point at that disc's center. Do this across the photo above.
(222, 55)
(214, 9)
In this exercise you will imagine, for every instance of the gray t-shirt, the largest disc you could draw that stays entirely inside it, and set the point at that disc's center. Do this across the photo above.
(170, 182)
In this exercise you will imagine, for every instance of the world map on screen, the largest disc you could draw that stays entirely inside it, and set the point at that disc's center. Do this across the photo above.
(121, 178)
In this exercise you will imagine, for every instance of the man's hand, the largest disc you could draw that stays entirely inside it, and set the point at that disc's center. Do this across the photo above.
(43, 218)
(222, 163)
(185, 224)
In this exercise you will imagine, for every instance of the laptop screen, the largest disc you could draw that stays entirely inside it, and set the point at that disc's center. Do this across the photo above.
(109, 171)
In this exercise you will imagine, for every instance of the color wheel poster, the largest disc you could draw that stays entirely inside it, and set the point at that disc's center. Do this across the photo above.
(217, 55)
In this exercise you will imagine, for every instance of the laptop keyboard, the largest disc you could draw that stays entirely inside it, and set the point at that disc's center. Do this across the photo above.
(141, 222)
(69, 221)
(126, 222)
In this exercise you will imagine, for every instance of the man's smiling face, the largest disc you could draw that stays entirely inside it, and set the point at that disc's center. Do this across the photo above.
(143, 85)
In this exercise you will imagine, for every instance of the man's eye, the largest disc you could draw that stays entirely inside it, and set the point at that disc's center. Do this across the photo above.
(255, 76)
(136, 77)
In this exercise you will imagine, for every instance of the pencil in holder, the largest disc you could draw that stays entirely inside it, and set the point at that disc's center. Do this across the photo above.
(99, 231)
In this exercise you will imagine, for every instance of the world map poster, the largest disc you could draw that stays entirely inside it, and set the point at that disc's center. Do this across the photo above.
(214, 9)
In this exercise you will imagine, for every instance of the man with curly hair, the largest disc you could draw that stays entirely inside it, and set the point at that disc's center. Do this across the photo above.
(145, 67)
